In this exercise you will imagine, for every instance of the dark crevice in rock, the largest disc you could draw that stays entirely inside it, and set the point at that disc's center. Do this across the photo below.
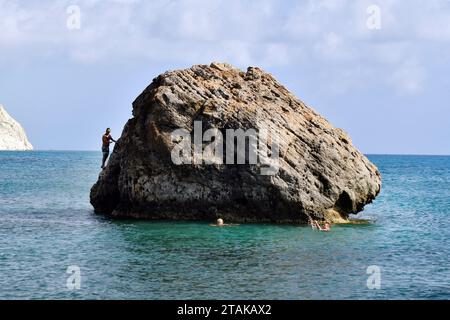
(344, 203)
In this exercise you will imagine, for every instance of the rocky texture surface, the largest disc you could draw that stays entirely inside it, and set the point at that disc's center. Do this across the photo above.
(12, 135)
(321, 175)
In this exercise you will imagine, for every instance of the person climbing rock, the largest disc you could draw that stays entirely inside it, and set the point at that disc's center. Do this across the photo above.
(106, 139)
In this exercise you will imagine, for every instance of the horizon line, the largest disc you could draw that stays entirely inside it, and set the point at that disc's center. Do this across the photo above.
(366, 154)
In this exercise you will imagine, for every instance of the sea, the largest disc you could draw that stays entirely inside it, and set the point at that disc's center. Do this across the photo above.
(53, 246)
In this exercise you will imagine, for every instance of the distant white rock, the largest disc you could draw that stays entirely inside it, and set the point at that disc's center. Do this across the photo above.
(12, 135)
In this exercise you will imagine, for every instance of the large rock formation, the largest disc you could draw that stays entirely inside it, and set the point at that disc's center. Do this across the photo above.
(320, 174)
(12, 135)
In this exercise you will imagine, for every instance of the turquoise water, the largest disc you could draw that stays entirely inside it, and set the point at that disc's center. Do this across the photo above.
(47, 224)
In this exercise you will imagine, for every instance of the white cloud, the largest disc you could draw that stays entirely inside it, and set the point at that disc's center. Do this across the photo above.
(408, 78)
(253, 32)
(277, 54)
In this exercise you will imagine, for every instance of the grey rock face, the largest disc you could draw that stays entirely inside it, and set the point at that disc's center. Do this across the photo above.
(12, 135)
(320, 175)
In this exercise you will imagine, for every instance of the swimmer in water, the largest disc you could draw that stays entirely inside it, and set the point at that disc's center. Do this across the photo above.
(326, 226)
(312, 223)
(220, 223)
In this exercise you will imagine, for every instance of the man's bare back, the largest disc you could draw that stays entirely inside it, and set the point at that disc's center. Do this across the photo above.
(107, 140)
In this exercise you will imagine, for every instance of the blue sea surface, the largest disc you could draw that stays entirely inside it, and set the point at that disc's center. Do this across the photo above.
(47, 224)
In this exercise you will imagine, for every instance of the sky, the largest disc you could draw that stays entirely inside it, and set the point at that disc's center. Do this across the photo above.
(378, 69)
